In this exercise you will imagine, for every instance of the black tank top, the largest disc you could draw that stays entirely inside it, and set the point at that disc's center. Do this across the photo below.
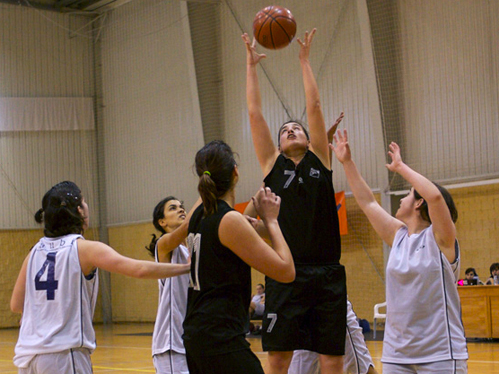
(308, 217)
(220, 291)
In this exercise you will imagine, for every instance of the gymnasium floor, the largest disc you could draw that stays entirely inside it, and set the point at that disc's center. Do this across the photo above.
(126, 348)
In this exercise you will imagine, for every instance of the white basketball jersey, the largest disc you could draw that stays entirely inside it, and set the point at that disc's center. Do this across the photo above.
(172, 305)
(423, 321)
(59, 301)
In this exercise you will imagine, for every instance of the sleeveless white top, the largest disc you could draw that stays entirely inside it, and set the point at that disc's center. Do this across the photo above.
(423, 321)
(59, 301)
(172, 305)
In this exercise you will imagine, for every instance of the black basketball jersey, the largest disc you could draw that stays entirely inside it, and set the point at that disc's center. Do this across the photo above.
(308, 216)
(220, 291)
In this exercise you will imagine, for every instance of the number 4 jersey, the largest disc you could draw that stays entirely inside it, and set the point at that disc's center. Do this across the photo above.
(59, 301)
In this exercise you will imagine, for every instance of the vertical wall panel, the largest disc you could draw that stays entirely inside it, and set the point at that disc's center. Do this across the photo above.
(38, 58)
(449, 88)
(152, 125)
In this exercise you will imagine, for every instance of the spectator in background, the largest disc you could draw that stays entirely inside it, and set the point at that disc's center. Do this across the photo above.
(257, 305)
(494, 272)
(470, 276)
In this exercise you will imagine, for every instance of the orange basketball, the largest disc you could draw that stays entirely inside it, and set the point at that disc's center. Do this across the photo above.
(274, 27)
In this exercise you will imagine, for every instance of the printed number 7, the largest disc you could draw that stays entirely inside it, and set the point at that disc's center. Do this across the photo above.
(50, 285)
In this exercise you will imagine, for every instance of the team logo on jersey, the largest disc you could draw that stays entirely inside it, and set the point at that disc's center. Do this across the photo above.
(315, 173)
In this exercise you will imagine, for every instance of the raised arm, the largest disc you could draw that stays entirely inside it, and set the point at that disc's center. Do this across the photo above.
(94, 254)
(237, 234)
(315, 118)
(169, 241)
(383, 223)
(443, 226)
(330, 134)
(265, 148)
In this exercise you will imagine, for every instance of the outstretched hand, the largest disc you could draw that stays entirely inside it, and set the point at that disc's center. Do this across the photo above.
(332, 129)
(342, 149)
(305, 44)
(267, 204)
(252, 56)
(394, 153)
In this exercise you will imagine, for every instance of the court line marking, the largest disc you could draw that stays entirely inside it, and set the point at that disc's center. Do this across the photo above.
(123, 369)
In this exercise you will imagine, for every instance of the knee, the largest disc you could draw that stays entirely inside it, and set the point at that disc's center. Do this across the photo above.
(279, 362)
(331, 364)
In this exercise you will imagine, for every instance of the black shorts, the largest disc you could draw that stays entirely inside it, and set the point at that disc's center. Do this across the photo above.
(242, 361)
(309, 313)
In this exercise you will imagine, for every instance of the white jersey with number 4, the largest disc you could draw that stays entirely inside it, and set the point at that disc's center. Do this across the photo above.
(59, 301)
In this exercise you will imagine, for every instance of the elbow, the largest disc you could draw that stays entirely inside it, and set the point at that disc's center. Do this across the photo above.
(288, 275)
(16, 307)
(142, 272)
(255, 114)
(316, 104)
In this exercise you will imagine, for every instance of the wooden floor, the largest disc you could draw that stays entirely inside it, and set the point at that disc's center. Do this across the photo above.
(126, 348)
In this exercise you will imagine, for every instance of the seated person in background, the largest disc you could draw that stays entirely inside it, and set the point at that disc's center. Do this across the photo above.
(257, 304)
(494, 271)
(256, 308)
(469, 277)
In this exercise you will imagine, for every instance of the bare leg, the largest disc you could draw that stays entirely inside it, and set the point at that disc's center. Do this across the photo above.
(278, 362)
(331, 364)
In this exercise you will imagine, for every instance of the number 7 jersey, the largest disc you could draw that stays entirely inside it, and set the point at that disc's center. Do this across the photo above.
(59, 301)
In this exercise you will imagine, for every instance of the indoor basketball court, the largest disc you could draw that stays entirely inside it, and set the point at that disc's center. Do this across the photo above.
(119, 95)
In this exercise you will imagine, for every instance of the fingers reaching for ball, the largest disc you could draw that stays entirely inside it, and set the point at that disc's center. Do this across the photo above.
(306, 43)
(252, 56)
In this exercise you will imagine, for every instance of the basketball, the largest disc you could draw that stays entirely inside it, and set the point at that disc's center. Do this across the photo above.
(274, 27)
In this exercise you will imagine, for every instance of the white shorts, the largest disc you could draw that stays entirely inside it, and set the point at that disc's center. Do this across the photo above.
(170, 362)
(71, 361)
(438, 367)
(357, 359)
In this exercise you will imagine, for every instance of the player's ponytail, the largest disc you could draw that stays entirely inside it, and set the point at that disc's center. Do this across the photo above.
(215, 165)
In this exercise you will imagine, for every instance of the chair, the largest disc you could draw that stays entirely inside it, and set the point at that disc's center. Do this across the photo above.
(378, 315)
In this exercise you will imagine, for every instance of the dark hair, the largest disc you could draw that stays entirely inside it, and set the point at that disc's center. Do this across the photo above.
(494, 266)
(59, 210)
(215, 166)
(448, 200)
(471, 270)
(157, 214)
(259, 284)
(300, 123)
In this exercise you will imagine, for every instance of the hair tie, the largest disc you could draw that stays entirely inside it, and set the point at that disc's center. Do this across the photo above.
(207, 172)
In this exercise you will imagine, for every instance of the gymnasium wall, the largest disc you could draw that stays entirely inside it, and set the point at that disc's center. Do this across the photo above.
(41, 60)
(150, 110)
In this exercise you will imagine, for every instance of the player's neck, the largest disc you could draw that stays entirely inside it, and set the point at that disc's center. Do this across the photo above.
(295, 156)
(229, 198)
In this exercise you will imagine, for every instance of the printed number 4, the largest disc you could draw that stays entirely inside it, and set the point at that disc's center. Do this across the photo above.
(50, 285)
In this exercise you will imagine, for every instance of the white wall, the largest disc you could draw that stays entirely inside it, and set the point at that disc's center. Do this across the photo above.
(449, 80)
(39, 58)
(152, 125)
